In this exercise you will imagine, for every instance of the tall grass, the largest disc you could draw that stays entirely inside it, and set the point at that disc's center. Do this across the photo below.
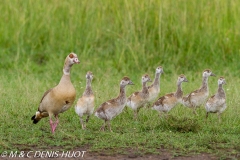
(185, 35)
(113, 39)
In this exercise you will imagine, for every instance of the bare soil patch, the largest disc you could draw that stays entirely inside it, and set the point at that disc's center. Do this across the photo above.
(129, 154)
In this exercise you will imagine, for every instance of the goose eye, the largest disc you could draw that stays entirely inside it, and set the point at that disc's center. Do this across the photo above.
(71, 55)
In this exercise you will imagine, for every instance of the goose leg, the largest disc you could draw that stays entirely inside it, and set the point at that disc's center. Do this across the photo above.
(103, 126)
(56, 123)
(194, 110)
(51, 125)
(109, 126)
(87, 118)
(219, 117)
(135, 114)
(166, 115)
(206, 117)
(160, 114)
(81, 121)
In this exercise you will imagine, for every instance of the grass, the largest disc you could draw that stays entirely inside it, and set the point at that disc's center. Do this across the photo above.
(113, 40)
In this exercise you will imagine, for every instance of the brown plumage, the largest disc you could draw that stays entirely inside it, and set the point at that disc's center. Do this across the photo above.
(60, 98)
(198, 97)
(140, 98)
(111, 108)
(154, 88)
(217, 103)
(170, 100)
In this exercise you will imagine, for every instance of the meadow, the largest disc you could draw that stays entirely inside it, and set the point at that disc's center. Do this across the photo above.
(113, 39)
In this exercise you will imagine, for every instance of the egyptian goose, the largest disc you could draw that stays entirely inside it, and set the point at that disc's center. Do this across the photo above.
(217, 103)
(154, 88)
(111, 108)
(168, 101)
(60, 98)
(85, 104)
(139, 99)
(198, 97)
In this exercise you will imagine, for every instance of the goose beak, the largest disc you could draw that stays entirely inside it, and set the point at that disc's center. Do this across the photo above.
(130, 83)
(212, 74)
(76, 60)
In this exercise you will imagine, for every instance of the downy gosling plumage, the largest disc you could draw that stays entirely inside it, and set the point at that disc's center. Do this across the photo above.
(139, 99)
(111, 108)
(217, 103)
(85, 104)
(165, 103)
(198, 97)
(154, 88)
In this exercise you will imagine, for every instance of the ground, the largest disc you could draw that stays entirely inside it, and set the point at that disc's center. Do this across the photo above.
(130, 154)
(165, 155)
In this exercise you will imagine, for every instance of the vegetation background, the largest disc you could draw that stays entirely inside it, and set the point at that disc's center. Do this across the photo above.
(114, 39)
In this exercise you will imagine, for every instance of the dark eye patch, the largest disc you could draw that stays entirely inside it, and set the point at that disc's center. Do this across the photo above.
(71, 55)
